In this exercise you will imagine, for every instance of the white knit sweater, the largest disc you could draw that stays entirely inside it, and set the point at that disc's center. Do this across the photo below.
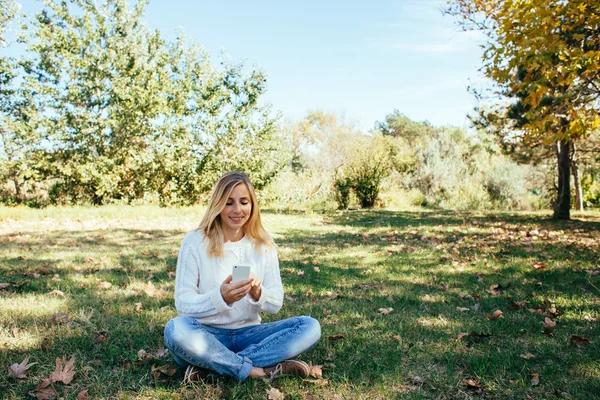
(199, 278)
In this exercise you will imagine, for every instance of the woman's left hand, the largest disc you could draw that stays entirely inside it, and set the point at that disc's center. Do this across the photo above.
(256, 288)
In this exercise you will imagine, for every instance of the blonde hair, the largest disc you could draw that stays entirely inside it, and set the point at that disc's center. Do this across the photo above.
(211, 224)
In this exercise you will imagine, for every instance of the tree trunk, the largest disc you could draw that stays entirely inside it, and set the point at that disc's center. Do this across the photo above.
(576, 181)
(562, 207)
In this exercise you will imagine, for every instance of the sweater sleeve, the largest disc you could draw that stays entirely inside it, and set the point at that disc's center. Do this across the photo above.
(189, 302)
(271, 298)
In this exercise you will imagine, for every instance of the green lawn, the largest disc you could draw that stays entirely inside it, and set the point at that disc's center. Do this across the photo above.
(444, 274)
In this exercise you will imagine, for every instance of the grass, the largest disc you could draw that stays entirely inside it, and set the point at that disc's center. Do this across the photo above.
(339, 267)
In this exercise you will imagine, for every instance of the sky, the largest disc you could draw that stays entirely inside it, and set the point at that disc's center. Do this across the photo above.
(357, 59)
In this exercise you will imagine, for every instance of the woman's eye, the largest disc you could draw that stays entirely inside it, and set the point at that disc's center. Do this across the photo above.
(244, 203)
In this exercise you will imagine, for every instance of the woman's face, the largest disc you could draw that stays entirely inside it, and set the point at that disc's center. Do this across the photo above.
(237, 210)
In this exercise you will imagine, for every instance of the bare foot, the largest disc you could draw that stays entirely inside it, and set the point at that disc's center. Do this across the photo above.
(257, 372)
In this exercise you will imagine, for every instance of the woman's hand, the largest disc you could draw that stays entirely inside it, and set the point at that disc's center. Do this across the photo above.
(232, 292)
(256, 289)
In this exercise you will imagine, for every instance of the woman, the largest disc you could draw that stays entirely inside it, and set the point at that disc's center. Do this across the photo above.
(219, 324)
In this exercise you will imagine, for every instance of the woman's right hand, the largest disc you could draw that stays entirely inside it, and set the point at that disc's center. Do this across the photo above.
(232, 292)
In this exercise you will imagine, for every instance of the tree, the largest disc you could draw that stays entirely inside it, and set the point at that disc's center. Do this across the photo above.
(127, 115)
(544, 57)
(8, 11)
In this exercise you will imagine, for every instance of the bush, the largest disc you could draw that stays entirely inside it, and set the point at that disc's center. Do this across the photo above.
(341, 191)
(505, 184)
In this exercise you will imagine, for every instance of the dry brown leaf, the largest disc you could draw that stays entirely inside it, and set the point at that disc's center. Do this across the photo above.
(540, 265)
(528, 356)
(60, 318)
(94, 362)
(138, 307)
(99, 337)
(549, 326)
(44, 391)
(326, 312)
(290, 298)
(574, 339)
(163, 369)
(105, 285)
(57, 292)
(337, 336)
(472, 385)
(397, 338)
(444, 286)
(516, 305)
(19, 371)
(83, 395)
(317, 269)
(535, 379)
(274, 394)
(385, 311)
(142, 354)
(64, 375)
(300, 272)
(497, 314)
(150, 289)
(332, 295)
(316, 371)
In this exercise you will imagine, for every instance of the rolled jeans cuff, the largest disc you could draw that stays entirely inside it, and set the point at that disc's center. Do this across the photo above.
(245, 370)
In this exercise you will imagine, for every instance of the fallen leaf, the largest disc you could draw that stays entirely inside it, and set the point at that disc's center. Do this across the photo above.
(64, 375)
(105, 285)
(19, 371)
(385, 311)
(162, 352)
(316, 371)
(44, 390)
(535, 379)
(300, 272)
(4, 285)
(142, 354)
(99, 337)
(83, 395)
(397, 338)
(463, 308)
(444, 286)
(274, 394)
(95, 362)
(497, 314)
(540, 265)
(137, 307)
(163, 369)
(60, 318)
(516, 305)
(337, 336)
(317, 269)
(528, 356)
(290, 298)
(549, 326)
(574, 339)
(57, 292)
(472, 385)
(326, 312)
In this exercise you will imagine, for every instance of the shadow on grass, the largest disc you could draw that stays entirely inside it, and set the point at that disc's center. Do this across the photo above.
(435, 270)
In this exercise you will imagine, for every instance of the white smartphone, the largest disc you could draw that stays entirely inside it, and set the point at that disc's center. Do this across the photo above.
(240, 272)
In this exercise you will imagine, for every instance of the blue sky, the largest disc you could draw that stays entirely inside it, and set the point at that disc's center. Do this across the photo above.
(356, 58)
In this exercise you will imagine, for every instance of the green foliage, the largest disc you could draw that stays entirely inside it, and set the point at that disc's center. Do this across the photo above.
(125, 115)
(505, 184)
(8, 11)
(341, 190)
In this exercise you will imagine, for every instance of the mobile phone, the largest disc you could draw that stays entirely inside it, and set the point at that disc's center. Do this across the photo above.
(240, 272)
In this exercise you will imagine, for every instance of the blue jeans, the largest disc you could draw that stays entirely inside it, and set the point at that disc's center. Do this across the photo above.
(234, 352)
